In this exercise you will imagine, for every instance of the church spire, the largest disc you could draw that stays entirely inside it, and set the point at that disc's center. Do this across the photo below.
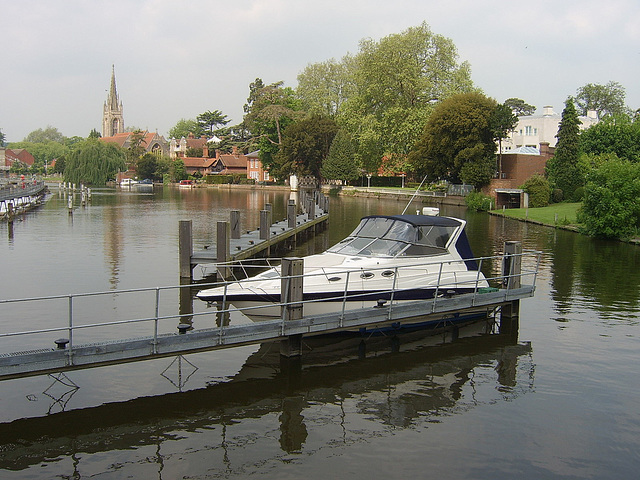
(112, 117)
(113, 93)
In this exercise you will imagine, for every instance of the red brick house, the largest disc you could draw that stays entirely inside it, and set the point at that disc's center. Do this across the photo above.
(10, 155)
(255, 169)
(517, 166)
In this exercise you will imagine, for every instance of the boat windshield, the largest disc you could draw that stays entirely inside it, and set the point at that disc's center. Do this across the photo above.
(388, 237)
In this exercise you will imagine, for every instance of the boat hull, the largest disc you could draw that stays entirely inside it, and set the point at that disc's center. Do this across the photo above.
(269, 307)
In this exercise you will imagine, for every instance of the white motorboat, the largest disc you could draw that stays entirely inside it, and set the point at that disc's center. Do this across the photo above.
(386, 258)
(128, 182)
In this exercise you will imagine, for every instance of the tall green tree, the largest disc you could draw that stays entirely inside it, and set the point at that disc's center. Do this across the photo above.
(457, 142)
(323, 87)
(268, 111)
(93, 162)
(305, 145)
(2, 139)
(210, 121)
(563, 169)
(501, 122)
(606, 99)
(396, 83)
(342, 162)
(519, 107)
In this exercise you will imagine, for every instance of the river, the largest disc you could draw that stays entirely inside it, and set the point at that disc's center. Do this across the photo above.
(560, 401)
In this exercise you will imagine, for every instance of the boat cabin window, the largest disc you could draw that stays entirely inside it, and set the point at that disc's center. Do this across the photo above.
(379, 236)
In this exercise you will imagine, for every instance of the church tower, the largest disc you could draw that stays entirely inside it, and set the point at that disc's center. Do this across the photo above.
(112, 118)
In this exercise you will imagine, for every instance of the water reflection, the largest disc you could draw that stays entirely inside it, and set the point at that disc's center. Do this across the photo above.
(428, 379)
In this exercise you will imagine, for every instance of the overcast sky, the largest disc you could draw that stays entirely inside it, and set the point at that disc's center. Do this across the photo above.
(176, 59)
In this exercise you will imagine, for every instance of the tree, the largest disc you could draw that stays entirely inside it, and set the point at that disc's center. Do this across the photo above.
(457, 142)
(269, 110)
(2, 139)
(501, 122)
(341, 163)
(563, 168)
(177, 170)
(396, 83)
(604, 99)
(611, 203)
(135, 149)
(93, 162)
(43, 153)
(147, 166)
(208, 121)
(614, 134)
(519, 107)
(49, 134)
(94, 134)
(305, 145)
(184, 127)
(323, 87)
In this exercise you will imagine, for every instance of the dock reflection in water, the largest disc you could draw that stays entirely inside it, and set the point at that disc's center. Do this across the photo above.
(354, 389)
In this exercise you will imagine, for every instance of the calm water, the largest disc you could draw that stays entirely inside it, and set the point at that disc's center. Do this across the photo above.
(561, 401)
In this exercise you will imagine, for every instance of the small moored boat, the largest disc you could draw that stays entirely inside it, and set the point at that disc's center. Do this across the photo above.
(386, 258)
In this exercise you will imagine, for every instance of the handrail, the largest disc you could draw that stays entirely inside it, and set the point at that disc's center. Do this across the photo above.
(223, 309)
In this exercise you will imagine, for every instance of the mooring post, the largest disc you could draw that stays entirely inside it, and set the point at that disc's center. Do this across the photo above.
(312, 208)
(265, 224)
(185, 248)
(511, 271)
(291, 214)
(223, 249)
(235, 223)
(292, 309)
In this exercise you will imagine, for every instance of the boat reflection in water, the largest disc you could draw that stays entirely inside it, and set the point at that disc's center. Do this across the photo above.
(363, 388)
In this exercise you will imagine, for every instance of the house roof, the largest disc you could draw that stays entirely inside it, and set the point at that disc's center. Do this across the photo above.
(124, 139)
(233, 161)
(198, 162)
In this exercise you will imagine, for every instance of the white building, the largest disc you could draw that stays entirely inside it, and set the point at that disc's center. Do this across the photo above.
(532, 130)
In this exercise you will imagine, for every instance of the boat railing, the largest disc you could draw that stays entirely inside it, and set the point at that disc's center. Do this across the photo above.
(86, 318)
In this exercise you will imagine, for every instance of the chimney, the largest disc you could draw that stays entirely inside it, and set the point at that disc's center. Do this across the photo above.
(592, 114)
(547, 110)
(234, 150)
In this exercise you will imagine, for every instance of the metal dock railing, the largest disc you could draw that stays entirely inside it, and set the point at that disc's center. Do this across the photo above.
(83, 333)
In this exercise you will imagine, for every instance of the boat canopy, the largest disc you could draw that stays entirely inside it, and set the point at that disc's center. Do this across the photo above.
(399, 235)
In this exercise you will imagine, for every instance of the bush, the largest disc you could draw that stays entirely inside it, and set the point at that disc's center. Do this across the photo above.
(557, 195)
(611, 205)
(539, 191)
(477, 202)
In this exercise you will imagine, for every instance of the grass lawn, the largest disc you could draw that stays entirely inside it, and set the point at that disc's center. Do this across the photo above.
(566, 213)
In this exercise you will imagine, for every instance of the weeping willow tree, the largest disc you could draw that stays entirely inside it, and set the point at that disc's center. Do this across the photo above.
(93, 162)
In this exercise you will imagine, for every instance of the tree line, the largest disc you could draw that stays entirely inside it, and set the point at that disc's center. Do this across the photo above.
(404, 104)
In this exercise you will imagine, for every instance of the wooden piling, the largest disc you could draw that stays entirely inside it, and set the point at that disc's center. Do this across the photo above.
(265, 224)
(235, 223)
(223, 249)
(511, 270)
(292, 309)
(185, 247)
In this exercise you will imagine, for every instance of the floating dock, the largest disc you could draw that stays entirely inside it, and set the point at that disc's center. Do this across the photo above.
(212, 330)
